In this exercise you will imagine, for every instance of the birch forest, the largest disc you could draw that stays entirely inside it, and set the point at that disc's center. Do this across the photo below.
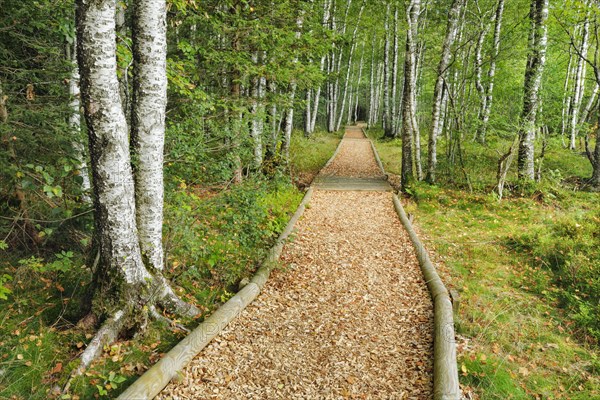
(152, 152)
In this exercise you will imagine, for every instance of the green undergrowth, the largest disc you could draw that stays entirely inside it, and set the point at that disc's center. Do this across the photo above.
(527, 269)
(309, 155)
(214, 236)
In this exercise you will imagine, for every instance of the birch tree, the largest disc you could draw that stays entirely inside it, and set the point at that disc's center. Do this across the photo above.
(388, 131)
(486, 104)
(536, 60)
(408, 96)
(125, 287)
(75, 123)
(438, 92)
(579, 83)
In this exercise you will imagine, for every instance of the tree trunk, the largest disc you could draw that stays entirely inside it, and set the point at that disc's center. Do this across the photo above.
(289, 115)
(123, 284)
(533, 77)
(350, 57)
(257, 110)
(388, 131)
(307, 113)
(372, 85)
(489, 91)
(148, 124)
(408, 96)
(394, 109)
(453, 18)
(579, 84)
(315, 109)
(75, 125)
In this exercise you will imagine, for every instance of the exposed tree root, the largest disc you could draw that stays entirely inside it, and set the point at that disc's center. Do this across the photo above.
(108, 333)
(113, 326)
(159, 317)
(170, 301)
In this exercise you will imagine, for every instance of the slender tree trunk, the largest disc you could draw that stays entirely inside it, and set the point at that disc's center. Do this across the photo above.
(566, 103)
(379, 90)
(75, 125)
(589, 106)
(350, 58)
(315, 109)
(353, 111)
(148, 124)
(307, 113)
(257, 109)
(394, 109)
(289, 115)
(270, 159)
(409, 97)
(388, 132)
(579, 87)
(453, 19)
(533, 77)
(489, 91)
(372, 85)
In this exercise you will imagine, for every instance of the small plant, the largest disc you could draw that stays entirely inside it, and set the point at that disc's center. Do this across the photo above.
(112, 381)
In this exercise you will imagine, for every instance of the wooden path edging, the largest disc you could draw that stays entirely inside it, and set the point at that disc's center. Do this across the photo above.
(445, 370)
(153, 381)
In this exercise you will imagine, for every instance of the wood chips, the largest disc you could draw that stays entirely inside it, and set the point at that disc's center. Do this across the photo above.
(348, 316)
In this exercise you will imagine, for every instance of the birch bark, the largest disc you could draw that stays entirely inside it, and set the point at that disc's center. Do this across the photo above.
(408, 97)
(579, 87)
(533, 77)
(489, 90)
(388, 131)
(453, 18)
(349, 69)
(75, 125)
(148, 124)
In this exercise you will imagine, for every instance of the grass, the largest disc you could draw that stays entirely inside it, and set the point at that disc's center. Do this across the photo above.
(308, 155)
(213, 238)
(516, 338)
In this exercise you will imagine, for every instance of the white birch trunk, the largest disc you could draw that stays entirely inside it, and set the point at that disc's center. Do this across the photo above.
(372, 86)
(533, 79)
(489, 91)
(350, 57)
(409, 95)
(579, 87)
(452, 29)
(257, 110)
(114, 194)
(148, 123)
(388, 131)
(289, 115)
(394, 109)
(566, 104)
(75, 125)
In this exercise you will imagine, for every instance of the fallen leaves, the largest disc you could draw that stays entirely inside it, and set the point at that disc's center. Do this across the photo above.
(352, 319)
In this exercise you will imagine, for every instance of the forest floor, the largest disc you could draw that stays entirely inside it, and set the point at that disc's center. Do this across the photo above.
(347, 316)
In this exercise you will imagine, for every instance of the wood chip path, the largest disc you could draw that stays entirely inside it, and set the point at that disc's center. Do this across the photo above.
(347, 317)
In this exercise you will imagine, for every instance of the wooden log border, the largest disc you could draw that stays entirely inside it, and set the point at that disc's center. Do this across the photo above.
(377, 159)
(153, 381)
(445, 370)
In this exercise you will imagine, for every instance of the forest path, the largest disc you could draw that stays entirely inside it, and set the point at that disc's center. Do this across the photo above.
(349, 316)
